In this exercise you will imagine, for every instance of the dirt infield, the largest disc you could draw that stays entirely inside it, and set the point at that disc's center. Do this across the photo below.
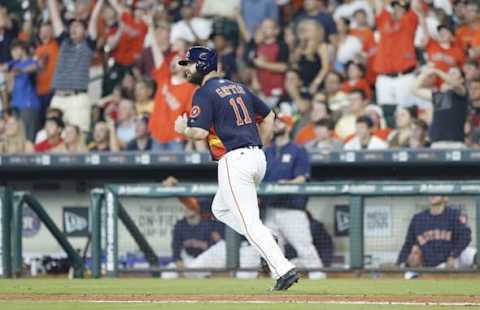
(473, 300)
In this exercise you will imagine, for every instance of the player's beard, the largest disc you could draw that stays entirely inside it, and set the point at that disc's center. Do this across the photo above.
(196, 78)
(279, 133)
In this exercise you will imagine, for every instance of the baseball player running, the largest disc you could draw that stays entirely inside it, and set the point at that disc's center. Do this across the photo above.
(235, 123)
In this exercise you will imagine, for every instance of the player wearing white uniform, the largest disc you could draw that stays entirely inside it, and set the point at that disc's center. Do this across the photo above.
(226, 114)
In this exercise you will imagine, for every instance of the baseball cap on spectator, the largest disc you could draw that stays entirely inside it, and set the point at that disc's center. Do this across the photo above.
(286, 119)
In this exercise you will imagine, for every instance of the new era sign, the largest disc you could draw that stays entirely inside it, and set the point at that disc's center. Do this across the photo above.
(75, 221)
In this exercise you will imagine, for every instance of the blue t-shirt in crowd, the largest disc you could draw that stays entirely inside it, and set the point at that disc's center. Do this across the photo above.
(325, 19)
(24, 94)
(286, 163)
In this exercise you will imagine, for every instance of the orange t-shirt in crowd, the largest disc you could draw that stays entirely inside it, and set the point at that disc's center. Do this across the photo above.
(444, 58)
(170, 102)
(306, 134)
(360, 84)
(465, 35)
(47, 55)
(130, 45)
(476, 39)
(396, 50)
(369, 48)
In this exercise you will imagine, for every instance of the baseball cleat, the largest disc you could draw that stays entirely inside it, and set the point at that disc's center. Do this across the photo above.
(287, 280)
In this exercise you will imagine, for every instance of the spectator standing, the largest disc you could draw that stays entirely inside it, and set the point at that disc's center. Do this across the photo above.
(324, 140)
(226, 55)
(314, 9)
(47, 55)
(444, 53)
(363, 31)
(450, 104)
(142, 140)
(71, 76)
(364, 139)
(437, 237)
(349, 8)
(190, 28)
(173, 98)
(395, 61)
(125, 42)
(53, 127)
(8, 32)
(466, 33)
(271, 58)
(310, 56)
(23, 93)
(288, 163)
(254, 12)
(349, 46)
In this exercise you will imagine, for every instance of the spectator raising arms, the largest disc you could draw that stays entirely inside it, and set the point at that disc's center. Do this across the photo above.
(23, 92)
(173, 98)
(450, 105)
(47, 55)
(125, 42)
(71, 77)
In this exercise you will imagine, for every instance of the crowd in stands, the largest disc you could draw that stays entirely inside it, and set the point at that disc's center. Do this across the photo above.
(102, 75)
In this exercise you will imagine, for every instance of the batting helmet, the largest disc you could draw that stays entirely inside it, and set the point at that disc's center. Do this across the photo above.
(205, 59)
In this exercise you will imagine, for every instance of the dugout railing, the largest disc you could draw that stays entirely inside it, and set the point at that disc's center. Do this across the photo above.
(109, 199)
(11, 219)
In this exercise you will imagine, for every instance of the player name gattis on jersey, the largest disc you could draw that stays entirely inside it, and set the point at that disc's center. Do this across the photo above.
(230, 113)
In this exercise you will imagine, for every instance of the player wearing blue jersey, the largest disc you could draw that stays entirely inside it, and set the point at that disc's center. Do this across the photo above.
(236, 123)
(437, 237)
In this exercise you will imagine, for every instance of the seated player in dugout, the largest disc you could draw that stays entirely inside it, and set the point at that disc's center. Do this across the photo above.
(197, 238)
(438, 237)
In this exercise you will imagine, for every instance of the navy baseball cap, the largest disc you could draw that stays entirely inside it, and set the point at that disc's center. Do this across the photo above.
(204, 57)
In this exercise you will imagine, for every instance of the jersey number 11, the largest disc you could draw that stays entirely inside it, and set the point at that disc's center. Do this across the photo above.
(235, 103)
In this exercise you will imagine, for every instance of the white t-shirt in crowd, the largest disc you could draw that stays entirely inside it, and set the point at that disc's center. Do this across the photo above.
(374, 144)
(201, 26)
(347, 10)
(348, 49)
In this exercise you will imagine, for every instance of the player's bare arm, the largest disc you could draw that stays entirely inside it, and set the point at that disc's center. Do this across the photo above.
(265, 128)
(191, 133)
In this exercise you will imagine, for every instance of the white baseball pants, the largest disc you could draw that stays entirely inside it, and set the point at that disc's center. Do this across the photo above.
(236, 204)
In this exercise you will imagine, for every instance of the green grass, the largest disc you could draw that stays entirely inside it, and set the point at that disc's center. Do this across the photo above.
(356, 287)
(77, 306)
(144, 287)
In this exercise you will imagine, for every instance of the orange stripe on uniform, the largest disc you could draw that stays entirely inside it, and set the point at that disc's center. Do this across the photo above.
(243, 220)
